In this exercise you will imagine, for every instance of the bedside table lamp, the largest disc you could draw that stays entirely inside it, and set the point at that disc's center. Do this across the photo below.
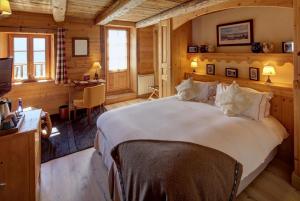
(269, 71)
(194, 65)
(97, 66)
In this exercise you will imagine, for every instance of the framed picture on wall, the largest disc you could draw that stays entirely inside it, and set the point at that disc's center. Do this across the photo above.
(80, 47)
(288, 47)
(231, 72)
(254, 73)
(192, 49)
(210, 69)
(235, 33)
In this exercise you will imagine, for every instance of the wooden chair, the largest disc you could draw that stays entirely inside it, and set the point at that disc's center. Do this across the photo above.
(92, 97)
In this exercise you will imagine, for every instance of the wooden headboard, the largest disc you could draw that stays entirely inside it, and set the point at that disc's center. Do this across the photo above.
(282, 107)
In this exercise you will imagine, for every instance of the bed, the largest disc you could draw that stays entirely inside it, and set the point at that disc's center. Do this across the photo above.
(252, 143)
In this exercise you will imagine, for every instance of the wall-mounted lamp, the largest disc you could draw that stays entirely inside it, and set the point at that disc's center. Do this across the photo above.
(194, 65)
(5, 9)
(269, 71)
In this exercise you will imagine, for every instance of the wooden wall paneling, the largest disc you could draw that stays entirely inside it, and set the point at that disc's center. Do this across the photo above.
(155, 54)
(164, 58)
(133, 59)
(145, 50)
(180, 65)
(40, 94)
(296, 173)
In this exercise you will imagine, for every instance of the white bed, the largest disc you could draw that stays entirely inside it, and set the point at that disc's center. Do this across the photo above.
(252, 143)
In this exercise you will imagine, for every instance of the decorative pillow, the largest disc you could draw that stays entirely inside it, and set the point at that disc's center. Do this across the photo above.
(221, 88)
(186, 90)
(201, 90)
(260, 107)
(212, 87)
(233, 101)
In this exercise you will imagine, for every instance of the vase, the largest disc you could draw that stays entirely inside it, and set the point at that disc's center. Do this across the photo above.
(256, 47)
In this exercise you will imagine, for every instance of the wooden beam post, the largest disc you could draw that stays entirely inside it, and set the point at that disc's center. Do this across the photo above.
(59, 8)
(296, 173)
(118, 9)
(181, 9)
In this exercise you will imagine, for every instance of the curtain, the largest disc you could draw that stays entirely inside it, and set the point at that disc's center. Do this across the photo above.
(61, 67)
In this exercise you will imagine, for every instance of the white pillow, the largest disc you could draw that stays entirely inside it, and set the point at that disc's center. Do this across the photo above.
(260, 107)
(221, 88)
(257, 104)
(186, 90)
(201, 90)
(233, 101)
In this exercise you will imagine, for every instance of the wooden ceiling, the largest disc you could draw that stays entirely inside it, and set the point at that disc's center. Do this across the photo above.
(149, 8)
(89, 9)
(139, 13)
(33, 6)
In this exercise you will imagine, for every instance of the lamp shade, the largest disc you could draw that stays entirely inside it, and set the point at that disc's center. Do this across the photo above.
(269, 70)
(97, 65)
(5, 8)
(194, 64)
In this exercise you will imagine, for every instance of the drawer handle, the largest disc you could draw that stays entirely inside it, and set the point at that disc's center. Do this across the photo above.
(2, 184)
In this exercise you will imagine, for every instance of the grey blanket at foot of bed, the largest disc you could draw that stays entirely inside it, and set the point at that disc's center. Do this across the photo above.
(175, 171)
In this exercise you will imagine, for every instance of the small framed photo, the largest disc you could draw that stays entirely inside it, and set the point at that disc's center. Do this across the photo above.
(254, 73)
(288, 47)
(80, 47)
(231, 72)
(210, 69)
(192, 49)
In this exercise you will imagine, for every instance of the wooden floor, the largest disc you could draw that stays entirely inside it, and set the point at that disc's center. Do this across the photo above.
(125, 103)
(82, 177)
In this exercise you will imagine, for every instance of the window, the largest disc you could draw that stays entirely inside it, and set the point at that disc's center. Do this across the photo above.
(118, 49)
(31, 55)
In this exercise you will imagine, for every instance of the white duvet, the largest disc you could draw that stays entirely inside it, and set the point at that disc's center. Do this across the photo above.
(246, 140)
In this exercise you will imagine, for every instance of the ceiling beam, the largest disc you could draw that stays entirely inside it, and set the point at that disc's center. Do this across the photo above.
(118, 9)
(186, 7)
(59, 8)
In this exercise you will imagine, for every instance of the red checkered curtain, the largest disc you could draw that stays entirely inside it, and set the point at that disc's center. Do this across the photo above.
(61, 67)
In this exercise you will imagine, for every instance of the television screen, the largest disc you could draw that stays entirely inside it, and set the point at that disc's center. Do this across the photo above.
(6, 65)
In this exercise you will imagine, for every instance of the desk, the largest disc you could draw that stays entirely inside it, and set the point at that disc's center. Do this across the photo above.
(78, 86)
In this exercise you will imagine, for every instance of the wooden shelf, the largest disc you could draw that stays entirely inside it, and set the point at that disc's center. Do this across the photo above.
(279, 58)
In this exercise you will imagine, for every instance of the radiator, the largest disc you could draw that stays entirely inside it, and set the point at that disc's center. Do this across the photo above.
(144, 82)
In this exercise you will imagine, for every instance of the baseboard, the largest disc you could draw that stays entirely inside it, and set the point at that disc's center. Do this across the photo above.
(296, 181)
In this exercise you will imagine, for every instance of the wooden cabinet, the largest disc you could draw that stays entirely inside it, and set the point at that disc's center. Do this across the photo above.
(20, 161)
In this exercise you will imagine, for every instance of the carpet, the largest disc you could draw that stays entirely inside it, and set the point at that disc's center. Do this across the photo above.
(70, 136)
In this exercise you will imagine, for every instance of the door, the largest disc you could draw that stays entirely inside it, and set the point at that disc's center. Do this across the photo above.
(164, 58)
(117, 59)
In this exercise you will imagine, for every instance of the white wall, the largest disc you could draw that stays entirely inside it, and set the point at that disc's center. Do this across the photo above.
(271, 24)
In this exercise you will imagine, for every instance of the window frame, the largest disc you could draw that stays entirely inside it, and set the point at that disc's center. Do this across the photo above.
(30, 55)
(107, 47)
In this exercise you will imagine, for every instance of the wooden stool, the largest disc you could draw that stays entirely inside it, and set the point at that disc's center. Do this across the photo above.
(155, 92)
